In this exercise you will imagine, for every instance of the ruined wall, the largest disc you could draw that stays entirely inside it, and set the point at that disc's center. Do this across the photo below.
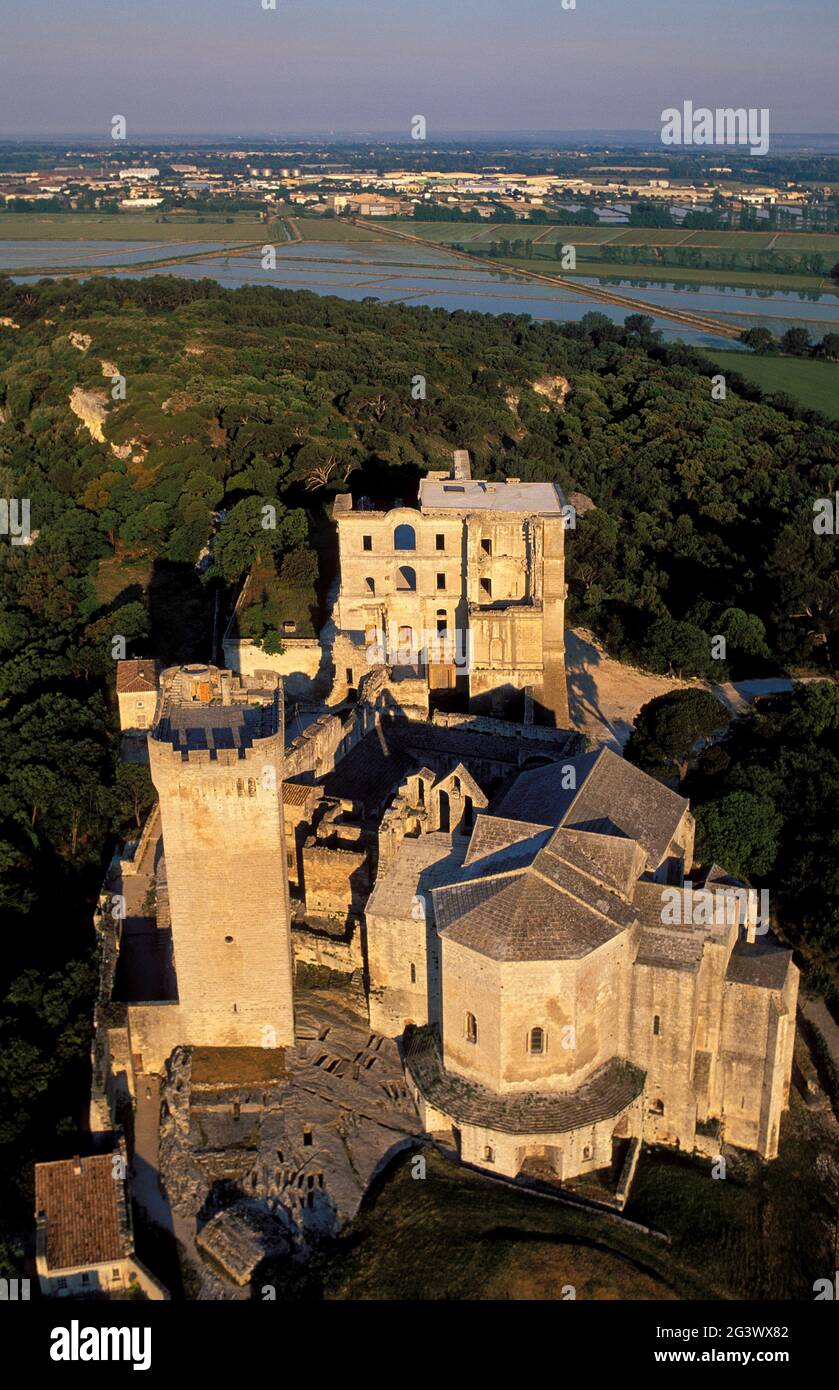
(301, 664)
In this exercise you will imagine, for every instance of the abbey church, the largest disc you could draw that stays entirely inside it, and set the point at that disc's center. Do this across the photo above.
(541, 978)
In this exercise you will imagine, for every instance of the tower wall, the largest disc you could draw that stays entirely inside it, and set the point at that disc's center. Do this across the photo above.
(223, 838)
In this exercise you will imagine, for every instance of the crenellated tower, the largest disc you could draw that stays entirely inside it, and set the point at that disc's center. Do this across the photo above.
(216, 756)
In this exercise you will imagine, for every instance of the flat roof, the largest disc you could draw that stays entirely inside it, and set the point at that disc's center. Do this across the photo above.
(473, 495)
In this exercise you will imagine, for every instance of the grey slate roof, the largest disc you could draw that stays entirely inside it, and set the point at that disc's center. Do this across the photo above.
(605, 1095)
(420, 864)
(762, 963)
(619, 799)
(612, 797)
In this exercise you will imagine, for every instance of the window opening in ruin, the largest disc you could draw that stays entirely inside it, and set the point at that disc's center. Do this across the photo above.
(587, 1151)
(486, 546)
(467, 813)
(656, 1024)
(537, 1040)
(486, 587)
(349, 677)
(471, 1028)
(440, 542)
(307, 1136)
(413, 973)
(489, 1154)
(657, 1107)
(367, 542)
(404, 538)
(441, 581)
(445, 811)
(371, 585)
(406, 580)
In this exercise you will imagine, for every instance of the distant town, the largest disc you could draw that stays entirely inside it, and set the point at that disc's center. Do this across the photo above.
(714, 189)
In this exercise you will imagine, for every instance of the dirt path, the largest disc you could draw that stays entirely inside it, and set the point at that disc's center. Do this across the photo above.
(605, 695)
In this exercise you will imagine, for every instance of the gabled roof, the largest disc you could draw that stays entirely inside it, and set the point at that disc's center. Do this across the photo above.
(610, 797)
(136, 676)
(84, 1210)
(504, 843)
(617, 798)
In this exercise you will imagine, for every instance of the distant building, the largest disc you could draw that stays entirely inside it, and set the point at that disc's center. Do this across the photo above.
(137, 682)
(468, 590)
(85, 1241)
(139, 173)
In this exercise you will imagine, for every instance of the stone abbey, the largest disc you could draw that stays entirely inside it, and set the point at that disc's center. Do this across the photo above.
(495, 897)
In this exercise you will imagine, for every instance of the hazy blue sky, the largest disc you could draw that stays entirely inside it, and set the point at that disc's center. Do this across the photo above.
(478, 65)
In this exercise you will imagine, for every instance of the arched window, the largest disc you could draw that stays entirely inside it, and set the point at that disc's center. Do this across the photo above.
(471, 1028)
(406, 579)
(404, 537)
(370, 585)
(537, 1040)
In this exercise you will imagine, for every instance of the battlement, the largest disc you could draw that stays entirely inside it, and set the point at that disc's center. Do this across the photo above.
(206, 715)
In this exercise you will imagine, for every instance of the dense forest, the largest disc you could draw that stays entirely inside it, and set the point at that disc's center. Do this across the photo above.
(154, 424)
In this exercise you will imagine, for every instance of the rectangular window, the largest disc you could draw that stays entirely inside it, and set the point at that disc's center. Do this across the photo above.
(486, 546)
(440, 541)
(371, 585)
(367, 542)
(413, 973)
(307, 1136)
(486, 588)
(441, 581)
(656, 1025)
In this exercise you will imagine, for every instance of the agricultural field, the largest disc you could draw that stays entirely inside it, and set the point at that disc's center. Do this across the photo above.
(815, 384)
(331, 229)
(94, 226)
(667, 274)
(465, 232)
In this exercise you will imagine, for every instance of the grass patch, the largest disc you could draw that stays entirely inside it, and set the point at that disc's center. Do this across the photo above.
(828, 242)
(274, 598)
(669, 274)
(457, 1234)
(331, 229)
(764, 1231)
(815, 384)
(87, 226)
(121, 571)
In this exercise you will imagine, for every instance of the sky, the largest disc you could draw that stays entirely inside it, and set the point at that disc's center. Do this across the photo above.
(231, 67)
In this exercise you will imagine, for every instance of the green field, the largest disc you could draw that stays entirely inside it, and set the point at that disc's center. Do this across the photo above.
(814, 384)
(331, 229)
(466, 232)
(93, 226)
(747, 279)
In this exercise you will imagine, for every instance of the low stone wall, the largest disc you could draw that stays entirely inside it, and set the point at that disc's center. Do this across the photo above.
(300, 664)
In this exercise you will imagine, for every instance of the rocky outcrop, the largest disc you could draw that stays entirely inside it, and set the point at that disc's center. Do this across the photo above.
(555, 388)
(91, 408)
(82, 341)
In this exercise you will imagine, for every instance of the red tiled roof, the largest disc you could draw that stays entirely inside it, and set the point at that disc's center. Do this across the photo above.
(133, 676)
(82, 1210)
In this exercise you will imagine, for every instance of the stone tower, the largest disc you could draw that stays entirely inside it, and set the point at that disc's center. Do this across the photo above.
(216, 755)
